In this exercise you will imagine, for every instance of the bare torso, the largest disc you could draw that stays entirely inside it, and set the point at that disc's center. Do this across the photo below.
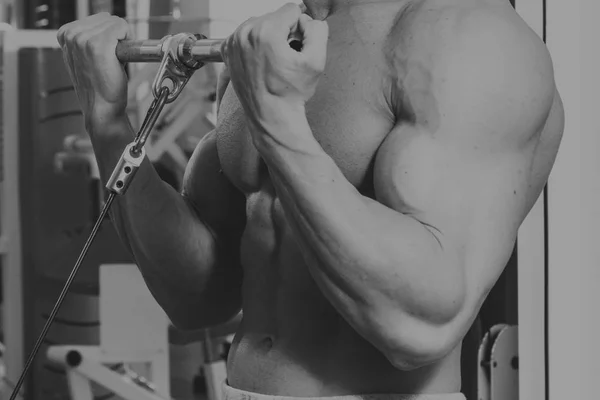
(292, 341)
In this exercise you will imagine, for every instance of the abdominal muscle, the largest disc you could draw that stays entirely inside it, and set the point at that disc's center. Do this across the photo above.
(291, 341)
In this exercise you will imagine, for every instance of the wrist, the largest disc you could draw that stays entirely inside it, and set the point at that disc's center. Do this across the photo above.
(286, 137)
(276, 117)
(108, 125)
(105, 116)
(109, 136)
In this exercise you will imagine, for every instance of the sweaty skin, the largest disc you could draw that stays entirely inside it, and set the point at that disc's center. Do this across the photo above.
(362, 242)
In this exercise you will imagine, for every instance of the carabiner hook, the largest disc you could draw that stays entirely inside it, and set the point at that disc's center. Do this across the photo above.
(177, 65)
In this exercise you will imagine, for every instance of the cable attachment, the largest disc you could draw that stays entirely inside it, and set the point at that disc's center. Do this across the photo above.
(177, 67)
(125, 170)
(178, 64)
(134, 153)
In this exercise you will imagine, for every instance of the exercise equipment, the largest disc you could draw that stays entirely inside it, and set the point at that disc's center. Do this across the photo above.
(126, 309)
(498, 372)
(178, 74)
(46, 214)
(180, 56)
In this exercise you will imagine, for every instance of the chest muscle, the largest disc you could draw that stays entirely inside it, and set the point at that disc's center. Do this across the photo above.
(348, 116)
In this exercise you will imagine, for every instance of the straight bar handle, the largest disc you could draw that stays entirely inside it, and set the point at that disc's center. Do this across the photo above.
(138, 51)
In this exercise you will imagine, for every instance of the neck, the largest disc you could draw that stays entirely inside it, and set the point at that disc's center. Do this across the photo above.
(321, 9)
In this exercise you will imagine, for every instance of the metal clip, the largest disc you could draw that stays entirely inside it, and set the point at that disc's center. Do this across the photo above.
(151, 118)
(126, 169)
(177, 65)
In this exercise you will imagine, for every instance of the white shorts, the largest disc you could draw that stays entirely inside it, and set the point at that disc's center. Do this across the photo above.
(230, 393)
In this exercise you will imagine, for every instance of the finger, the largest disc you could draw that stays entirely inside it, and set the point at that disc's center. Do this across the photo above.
(111, 29)
(121, 30)
(225, 51)
(72, 29)
(315, 34)
(288, 15)
(104, 38)
(229, 43)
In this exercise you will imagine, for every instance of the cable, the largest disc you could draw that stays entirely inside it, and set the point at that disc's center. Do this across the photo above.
(170, 70)
(61, 297)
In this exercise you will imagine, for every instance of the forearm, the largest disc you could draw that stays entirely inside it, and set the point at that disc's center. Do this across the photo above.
(384, 272)
(175, 252)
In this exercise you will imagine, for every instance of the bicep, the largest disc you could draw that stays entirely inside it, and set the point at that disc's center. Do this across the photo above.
(457, 193)
(221, 208)
(473, 205)
(215, 200)
(468, 177)
(464, 167)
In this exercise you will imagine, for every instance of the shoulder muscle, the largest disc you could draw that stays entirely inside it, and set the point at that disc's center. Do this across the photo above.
(476, 65)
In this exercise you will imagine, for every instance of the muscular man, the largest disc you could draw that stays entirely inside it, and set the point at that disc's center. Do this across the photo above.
(357, 200)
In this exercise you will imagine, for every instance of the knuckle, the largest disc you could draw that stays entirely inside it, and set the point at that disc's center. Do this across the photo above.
(81, 40)
(253, 34)
(293, 8)
(69, 39)
(247, 26)
(119, 21)
(60, 36)
(269, 23)
(317, 67)
(264, 30)
(244, 32)
(91, 44)
(96, 45)
(64, 34)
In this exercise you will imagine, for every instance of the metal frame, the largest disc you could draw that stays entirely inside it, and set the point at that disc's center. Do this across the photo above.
(590, 273)
(10, 204)
(83, 8)
(126, 309)
(531, 251)
(92, 369)
(571, 319)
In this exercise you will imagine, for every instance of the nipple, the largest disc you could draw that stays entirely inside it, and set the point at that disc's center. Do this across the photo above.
(267, 343)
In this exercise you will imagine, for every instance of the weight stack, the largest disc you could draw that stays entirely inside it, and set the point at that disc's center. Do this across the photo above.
(58, 209)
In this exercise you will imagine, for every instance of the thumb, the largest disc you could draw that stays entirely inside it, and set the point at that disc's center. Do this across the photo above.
(315, 36)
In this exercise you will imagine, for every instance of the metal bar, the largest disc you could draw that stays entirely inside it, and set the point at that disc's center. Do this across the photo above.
(202, 50)
(208, 50)
(133, 51)
(83, 9)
